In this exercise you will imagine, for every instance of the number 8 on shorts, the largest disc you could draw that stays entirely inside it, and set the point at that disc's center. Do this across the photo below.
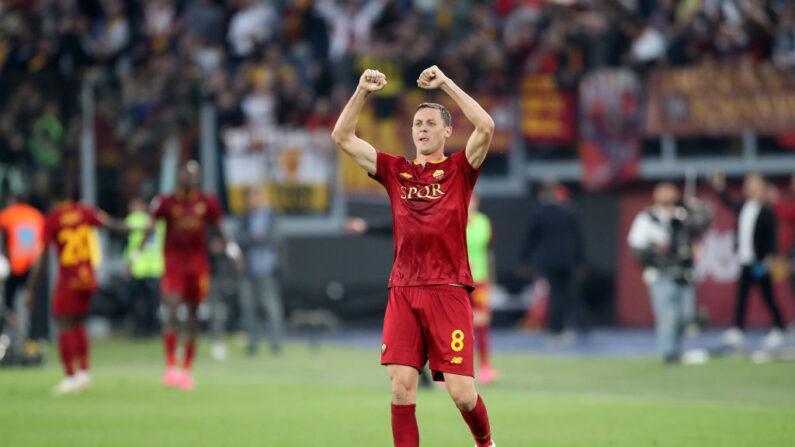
(458, 340)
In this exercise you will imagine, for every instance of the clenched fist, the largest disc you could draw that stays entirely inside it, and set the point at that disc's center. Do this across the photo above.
(372, 80)
(431, 78)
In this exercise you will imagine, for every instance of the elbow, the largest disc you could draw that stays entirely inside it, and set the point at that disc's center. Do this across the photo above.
(336, 136)
(340, 138)
(487, 126)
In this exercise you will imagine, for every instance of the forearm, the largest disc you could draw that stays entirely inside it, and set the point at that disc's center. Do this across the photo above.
(345, 128)
(117, 225)
(472, 110)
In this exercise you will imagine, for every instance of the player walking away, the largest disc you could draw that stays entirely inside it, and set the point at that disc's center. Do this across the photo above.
(428, 316)
(70, 226)
(188, 213)
(480, 246)
(21, 228)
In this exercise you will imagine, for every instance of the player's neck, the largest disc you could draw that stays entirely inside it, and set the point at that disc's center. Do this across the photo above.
(186, 192)
(434, 157)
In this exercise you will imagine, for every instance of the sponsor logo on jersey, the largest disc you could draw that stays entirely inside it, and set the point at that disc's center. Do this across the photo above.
(456, 360)
(71, 218)
(405, 175)
(433, 192)
(438, 173)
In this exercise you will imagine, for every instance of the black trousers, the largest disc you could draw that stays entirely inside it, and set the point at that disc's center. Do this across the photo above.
(765, 286)
(562, 299)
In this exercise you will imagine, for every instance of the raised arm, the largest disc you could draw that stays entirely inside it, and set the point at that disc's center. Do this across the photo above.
(479, 141)
(344, 133)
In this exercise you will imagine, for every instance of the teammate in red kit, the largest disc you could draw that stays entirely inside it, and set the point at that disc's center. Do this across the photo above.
(428, 316)
(188, 214)
(70, 226)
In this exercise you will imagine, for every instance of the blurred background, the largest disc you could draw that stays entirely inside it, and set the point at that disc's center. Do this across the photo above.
(597, 100)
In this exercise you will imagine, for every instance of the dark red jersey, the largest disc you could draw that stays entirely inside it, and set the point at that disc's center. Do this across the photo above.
(70, 225)
(429, 214)
(187, 218)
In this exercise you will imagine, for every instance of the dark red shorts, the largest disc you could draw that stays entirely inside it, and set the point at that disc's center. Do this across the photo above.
(429, 324)
(190, 286)
(71, 303)
(479, 297)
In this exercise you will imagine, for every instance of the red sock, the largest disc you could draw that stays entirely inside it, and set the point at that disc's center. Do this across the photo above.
(190, 349)
(478, 421)
(404, 426)
(170, 345)
(66, 346)
(482, 340)
(81, 337)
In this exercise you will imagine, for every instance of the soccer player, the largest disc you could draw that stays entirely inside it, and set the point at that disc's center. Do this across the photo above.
(70, 226)
(428, 316)
(188, 214)
(480, 243)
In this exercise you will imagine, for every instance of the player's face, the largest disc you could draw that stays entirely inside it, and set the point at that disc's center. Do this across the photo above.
(188, 178)
(429, 131)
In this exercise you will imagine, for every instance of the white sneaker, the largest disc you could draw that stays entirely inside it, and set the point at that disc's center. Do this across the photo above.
(733, 338)
(773, 340)
(218, 351)
(66, 386)
(83, 380)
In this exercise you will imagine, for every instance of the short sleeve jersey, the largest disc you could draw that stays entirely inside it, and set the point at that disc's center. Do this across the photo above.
(70, 225)
(429, 214)
(187, 218)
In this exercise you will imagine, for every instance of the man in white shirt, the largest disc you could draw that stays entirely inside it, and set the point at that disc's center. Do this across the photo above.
(756, 247)
(662, 237)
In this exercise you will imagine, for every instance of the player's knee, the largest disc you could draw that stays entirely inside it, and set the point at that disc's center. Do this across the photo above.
(464, 398)
(403, 392)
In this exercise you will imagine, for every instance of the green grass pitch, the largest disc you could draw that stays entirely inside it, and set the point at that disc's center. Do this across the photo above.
(339, 397)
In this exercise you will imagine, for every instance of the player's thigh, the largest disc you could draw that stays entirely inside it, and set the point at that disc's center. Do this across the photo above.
(402, 339)
(196, 287)
(447, 324)
(172, 287)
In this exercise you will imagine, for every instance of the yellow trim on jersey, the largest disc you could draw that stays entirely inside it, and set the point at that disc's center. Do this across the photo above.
(434, 162)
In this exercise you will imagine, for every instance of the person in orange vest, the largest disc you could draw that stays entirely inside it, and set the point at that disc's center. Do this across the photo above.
(21, 227)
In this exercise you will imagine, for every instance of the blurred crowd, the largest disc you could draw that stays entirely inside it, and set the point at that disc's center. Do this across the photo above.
(291, 63)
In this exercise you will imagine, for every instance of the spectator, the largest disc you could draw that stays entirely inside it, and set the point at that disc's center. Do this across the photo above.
(663, 237)
(553, 248)
(250, 26)
(755, 243)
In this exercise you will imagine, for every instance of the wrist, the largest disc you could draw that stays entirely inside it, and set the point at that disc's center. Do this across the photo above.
(363, 91)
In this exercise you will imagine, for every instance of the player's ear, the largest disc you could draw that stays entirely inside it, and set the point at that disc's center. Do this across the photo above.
(448, 131)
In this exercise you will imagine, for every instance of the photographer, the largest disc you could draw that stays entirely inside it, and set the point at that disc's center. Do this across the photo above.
(662, 237)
